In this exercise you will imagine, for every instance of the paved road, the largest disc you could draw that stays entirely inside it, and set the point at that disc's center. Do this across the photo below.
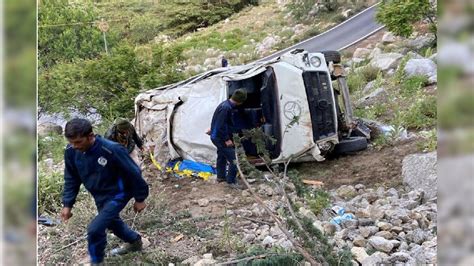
(341, 36)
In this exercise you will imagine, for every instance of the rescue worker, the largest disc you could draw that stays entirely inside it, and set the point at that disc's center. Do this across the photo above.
(124, 133)
(110, 175)
(222, 127)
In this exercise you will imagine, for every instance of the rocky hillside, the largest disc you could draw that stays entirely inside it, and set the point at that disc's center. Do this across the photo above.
(377, 206)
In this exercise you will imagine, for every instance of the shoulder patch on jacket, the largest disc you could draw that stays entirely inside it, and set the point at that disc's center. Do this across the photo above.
(107, 150)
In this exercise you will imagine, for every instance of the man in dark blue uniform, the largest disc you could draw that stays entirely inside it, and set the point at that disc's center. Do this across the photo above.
(222, 128)
(111, 176)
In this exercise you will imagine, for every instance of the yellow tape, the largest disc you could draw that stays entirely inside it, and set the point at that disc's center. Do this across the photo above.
(175, 169)
(155, 162)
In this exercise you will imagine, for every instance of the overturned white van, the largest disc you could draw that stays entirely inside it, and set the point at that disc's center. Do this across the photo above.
(296, 87)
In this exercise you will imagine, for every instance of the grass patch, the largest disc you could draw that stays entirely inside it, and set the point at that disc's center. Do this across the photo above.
(412, 85)
(356, 81)
(317, 201)
(51, 147)
(369, 72)
(429, 142)
(421, 114)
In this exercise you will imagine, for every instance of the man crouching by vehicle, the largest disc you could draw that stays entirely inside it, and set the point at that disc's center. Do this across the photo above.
(112, 178)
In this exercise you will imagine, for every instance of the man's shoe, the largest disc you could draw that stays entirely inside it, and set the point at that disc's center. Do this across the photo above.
(138, 245)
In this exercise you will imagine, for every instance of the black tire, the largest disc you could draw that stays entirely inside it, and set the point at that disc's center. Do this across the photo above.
(350, 145)
(333, 56)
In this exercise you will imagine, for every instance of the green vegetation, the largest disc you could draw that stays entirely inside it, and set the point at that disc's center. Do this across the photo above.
(399, 16)
(421, 114)
(412, 85)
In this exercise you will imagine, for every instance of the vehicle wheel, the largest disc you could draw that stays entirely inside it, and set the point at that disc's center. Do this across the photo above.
(351, 144)
(333, 56)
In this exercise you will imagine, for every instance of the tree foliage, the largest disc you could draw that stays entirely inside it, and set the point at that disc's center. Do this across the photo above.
(109, 84)
(399, 16)
(68, 31)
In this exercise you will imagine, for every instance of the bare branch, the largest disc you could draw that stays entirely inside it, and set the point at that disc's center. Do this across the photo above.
(277, 220)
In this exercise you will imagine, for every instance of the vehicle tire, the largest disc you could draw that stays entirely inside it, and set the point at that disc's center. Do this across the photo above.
(333, 56)
(351, 144)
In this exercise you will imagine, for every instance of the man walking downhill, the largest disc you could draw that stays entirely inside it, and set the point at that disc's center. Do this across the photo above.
(124, 133)
(221, 131)
(109, 174)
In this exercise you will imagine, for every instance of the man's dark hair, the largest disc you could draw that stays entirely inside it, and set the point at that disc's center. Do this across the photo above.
(77, 127)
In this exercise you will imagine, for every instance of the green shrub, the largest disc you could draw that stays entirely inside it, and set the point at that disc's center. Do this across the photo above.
(356, 81)
(413, 84)
(421, 114)
(50, 188)
(370, 72)
(317, 201)
(51, 147)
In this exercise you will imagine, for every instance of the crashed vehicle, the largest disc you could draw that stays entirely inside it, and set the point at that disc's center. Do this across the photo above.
(291, 98)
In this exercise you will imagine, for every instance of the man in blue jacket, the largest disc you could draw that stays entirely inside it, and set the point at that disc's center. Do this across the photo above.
(222, 128)
(111, 176)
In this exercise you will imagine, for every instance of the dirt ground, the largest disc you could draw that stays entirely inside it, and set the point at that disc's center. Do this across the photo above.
(371, 167)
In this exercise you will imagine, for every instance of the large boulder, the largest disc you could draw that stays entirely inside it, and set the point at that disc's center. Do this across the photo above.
(386, 61)
(419, 172)
(49, 128)
(424, 67)
(421, 41)
(376, 52)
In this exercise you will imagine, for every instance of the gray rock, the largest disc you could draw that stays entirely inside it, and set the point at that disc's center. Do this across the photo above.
(191, 261)
(268, 241)
(359, 254)
(393, 192)
(421, 41)
(248, 238)
(386, 61)
(396, 229)
(388, 37)
(414, 55)
(397, 222)
(346, 192)
(359, 242)
(419, 171)
(420, 67)
(376, 213)
(433, 79)
(49, 128)
(403, 246)
(375, 52)
(423, 255)
(417, 236)
(275, 231)
(203, 202)
(343, 234)
(400, 257)
(371, 197)
(378, 95)
(381, 244)
(347, 13)
(410, 204)
(375, 259)
(366, 222)
(329, 229)
(384, 234)
(367, 231)
(384, 226)
(285, 244)
(361, 53)
(359, 187)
